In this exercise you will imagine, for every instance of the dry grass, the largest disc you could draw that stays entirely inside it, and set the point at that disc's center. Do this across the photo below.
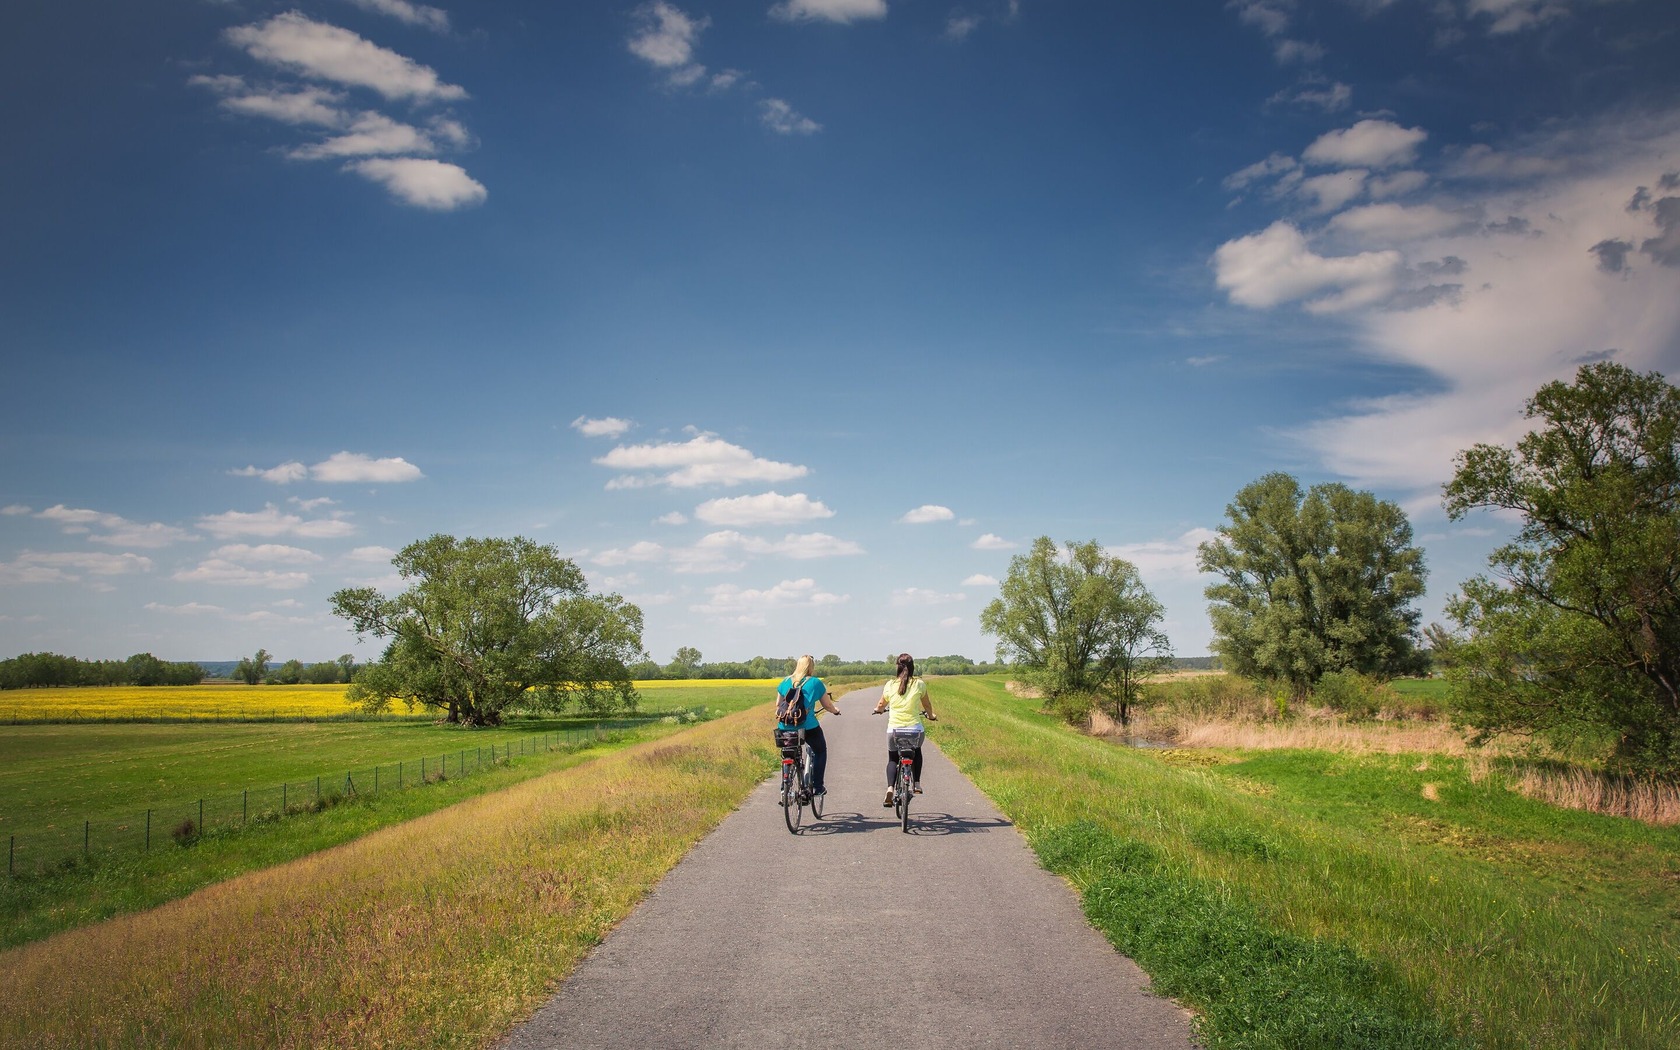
(1653, 803)
(438, 932)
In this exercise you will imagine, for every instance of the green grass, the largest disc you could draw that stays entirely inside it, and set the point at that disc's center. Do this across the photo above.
(1303, 899)
(126, 762)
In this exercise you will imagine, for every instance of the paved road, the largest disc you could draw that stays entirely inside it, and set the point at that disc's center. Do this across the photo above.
(948, 937)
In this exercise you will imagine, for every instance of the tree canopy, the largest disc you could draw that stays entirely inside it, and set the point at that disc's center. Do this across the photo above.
(488, 626)
(1313, 582)
(1078, 621)
(1578, 630)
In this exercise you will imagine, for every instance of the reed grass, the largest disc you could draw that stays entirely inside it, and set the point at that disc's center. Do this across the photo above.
(440, 931)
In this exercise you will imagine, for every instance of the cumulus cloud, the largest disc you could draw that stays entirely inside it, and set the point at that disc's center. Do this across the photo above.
(924, 596)
(111, 529)
(611, 426)
(750, 607)
(842, 11)
(705, 459)
(781, 118)
(14, 509)
(337, 468)
(271, 522)
(980, 579)
(369, 134)
(186, 609)
(373, 555)
(675, 517)
(1156, 559)
(434, 185)
(420, 15)
(1393, 222)
(321, 51)
(69, 566)
(221, 571)
(270, 552)
(306, 106)
(644, 551)
(1368, 144)
(1328, 192)
(926, 513)
(992, 542)
(1276, 266)
(1316, 93)
(665, 37)
(769, 508)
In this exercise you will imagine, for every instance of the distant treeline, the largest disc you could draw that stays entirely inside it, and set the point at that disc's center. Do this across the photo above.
(687, 665)
(49, 669)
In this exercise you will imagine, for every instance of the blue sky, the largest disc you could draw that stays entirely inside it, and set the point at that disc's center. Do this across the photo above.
(791, 321)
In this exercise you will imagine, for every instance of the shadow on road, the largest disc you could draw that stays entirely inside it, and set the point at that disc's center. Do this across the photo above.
(834, 823)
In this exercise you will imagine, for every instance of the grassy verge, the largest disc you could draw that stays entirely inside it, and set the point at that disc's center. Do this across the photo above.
(33, 906)
(437, 932)
(1307, 899)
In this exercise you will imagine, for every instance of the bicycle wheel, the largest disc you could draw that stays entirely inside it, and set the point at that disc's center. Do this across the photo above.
(810, 774)
(791, 806)
(904, 792)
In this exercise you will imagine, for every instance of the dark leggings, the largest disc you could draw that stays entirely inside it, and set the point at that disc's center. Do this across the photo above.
(819, 757)
(892, 764)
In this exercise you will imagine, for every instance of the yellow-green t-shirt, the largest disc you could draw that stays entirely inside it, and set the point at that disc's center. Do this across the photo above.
(904, 712)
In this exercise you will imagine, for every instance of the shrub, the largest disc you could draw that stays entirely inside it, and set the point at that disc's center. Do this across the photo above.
(1354, 694)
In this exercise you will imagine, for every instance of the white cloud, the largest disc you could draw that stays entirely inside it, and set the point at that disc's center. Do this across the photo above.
(221, 571)
(1275, 164)
(1316, 92)
(369, 134)
(274, 552)
(1367, 144)
(950, 621)
(644, 551)
(1275, 266)
(926, 513)
(306, 106)
(675, 517)
(187, 609)
(1398, 184)
(611, 426)
(69, 566)
(117, 531)
(1481, 161)
(769, 508)
(1394, 222)
(958, 26)
(705, 459)
(14, 509)
(980, 579)
(430, 184)
(1511, 16)
(842, 11)
(665, 38)
(1288, 51)
(271, 522)
(783, 119)
(307, 505)
(356, 467)
(326, 52)
(284, 474)
(371, 555)
(413, 14)
(1328, 192)
(339, 467)
(923, 596)
(1157, 558)
(731, 603)
(992, 542)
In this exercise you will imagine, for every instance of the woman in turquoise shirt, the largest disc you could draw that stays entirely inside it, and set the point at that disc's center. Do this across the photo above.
(816, 696)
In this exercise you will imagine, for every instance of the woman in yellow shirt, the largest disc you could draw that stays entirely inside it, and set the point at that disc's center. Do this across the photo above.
(900, 698)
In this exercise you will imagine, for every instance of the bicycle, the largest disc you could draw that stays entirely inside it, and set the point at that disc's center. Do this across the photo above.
(798, 769)
(905, 742)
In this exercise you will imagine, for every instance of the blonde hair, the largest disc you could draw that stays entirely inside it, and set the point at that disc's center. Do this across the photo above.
(802, 668)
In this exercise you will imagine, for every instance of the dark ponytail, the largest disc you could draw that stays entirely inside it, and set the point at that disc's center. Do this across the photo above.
(906, 668)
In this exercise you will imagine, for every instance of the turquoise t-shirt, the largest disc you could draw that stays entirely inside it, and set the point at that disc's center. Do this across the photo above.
(813, 689)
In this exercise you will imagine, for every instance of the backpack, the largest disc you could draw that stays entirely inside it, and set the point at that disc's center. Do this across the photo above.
(792, 709)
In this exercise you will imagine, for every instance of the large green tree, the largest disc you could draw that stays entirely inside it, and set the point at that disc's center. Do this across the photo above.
(1078, 621)
(1578, 629)
(492, 625)
(1312, 582)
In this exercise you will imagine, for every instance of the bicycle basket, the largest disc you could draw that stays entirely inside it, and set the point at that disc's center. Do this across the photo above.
(906, 739)
(787, 741)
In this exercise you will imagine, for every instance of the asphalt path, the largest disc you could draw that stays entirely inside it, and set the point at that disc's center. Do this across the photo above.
(854, 934)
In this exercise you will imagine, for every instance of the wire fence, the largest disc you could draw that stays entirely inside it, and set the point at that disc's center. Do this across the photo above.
(163, 825)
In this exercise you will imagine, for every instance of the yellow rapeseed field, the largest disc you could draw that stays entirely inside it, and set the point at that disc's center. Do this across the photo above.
(233, 701)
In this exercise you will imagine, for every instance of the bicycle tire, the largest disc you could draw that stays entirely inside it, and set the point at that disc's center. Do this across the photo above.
(810, 770)
(904, 790)
(791, 806)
